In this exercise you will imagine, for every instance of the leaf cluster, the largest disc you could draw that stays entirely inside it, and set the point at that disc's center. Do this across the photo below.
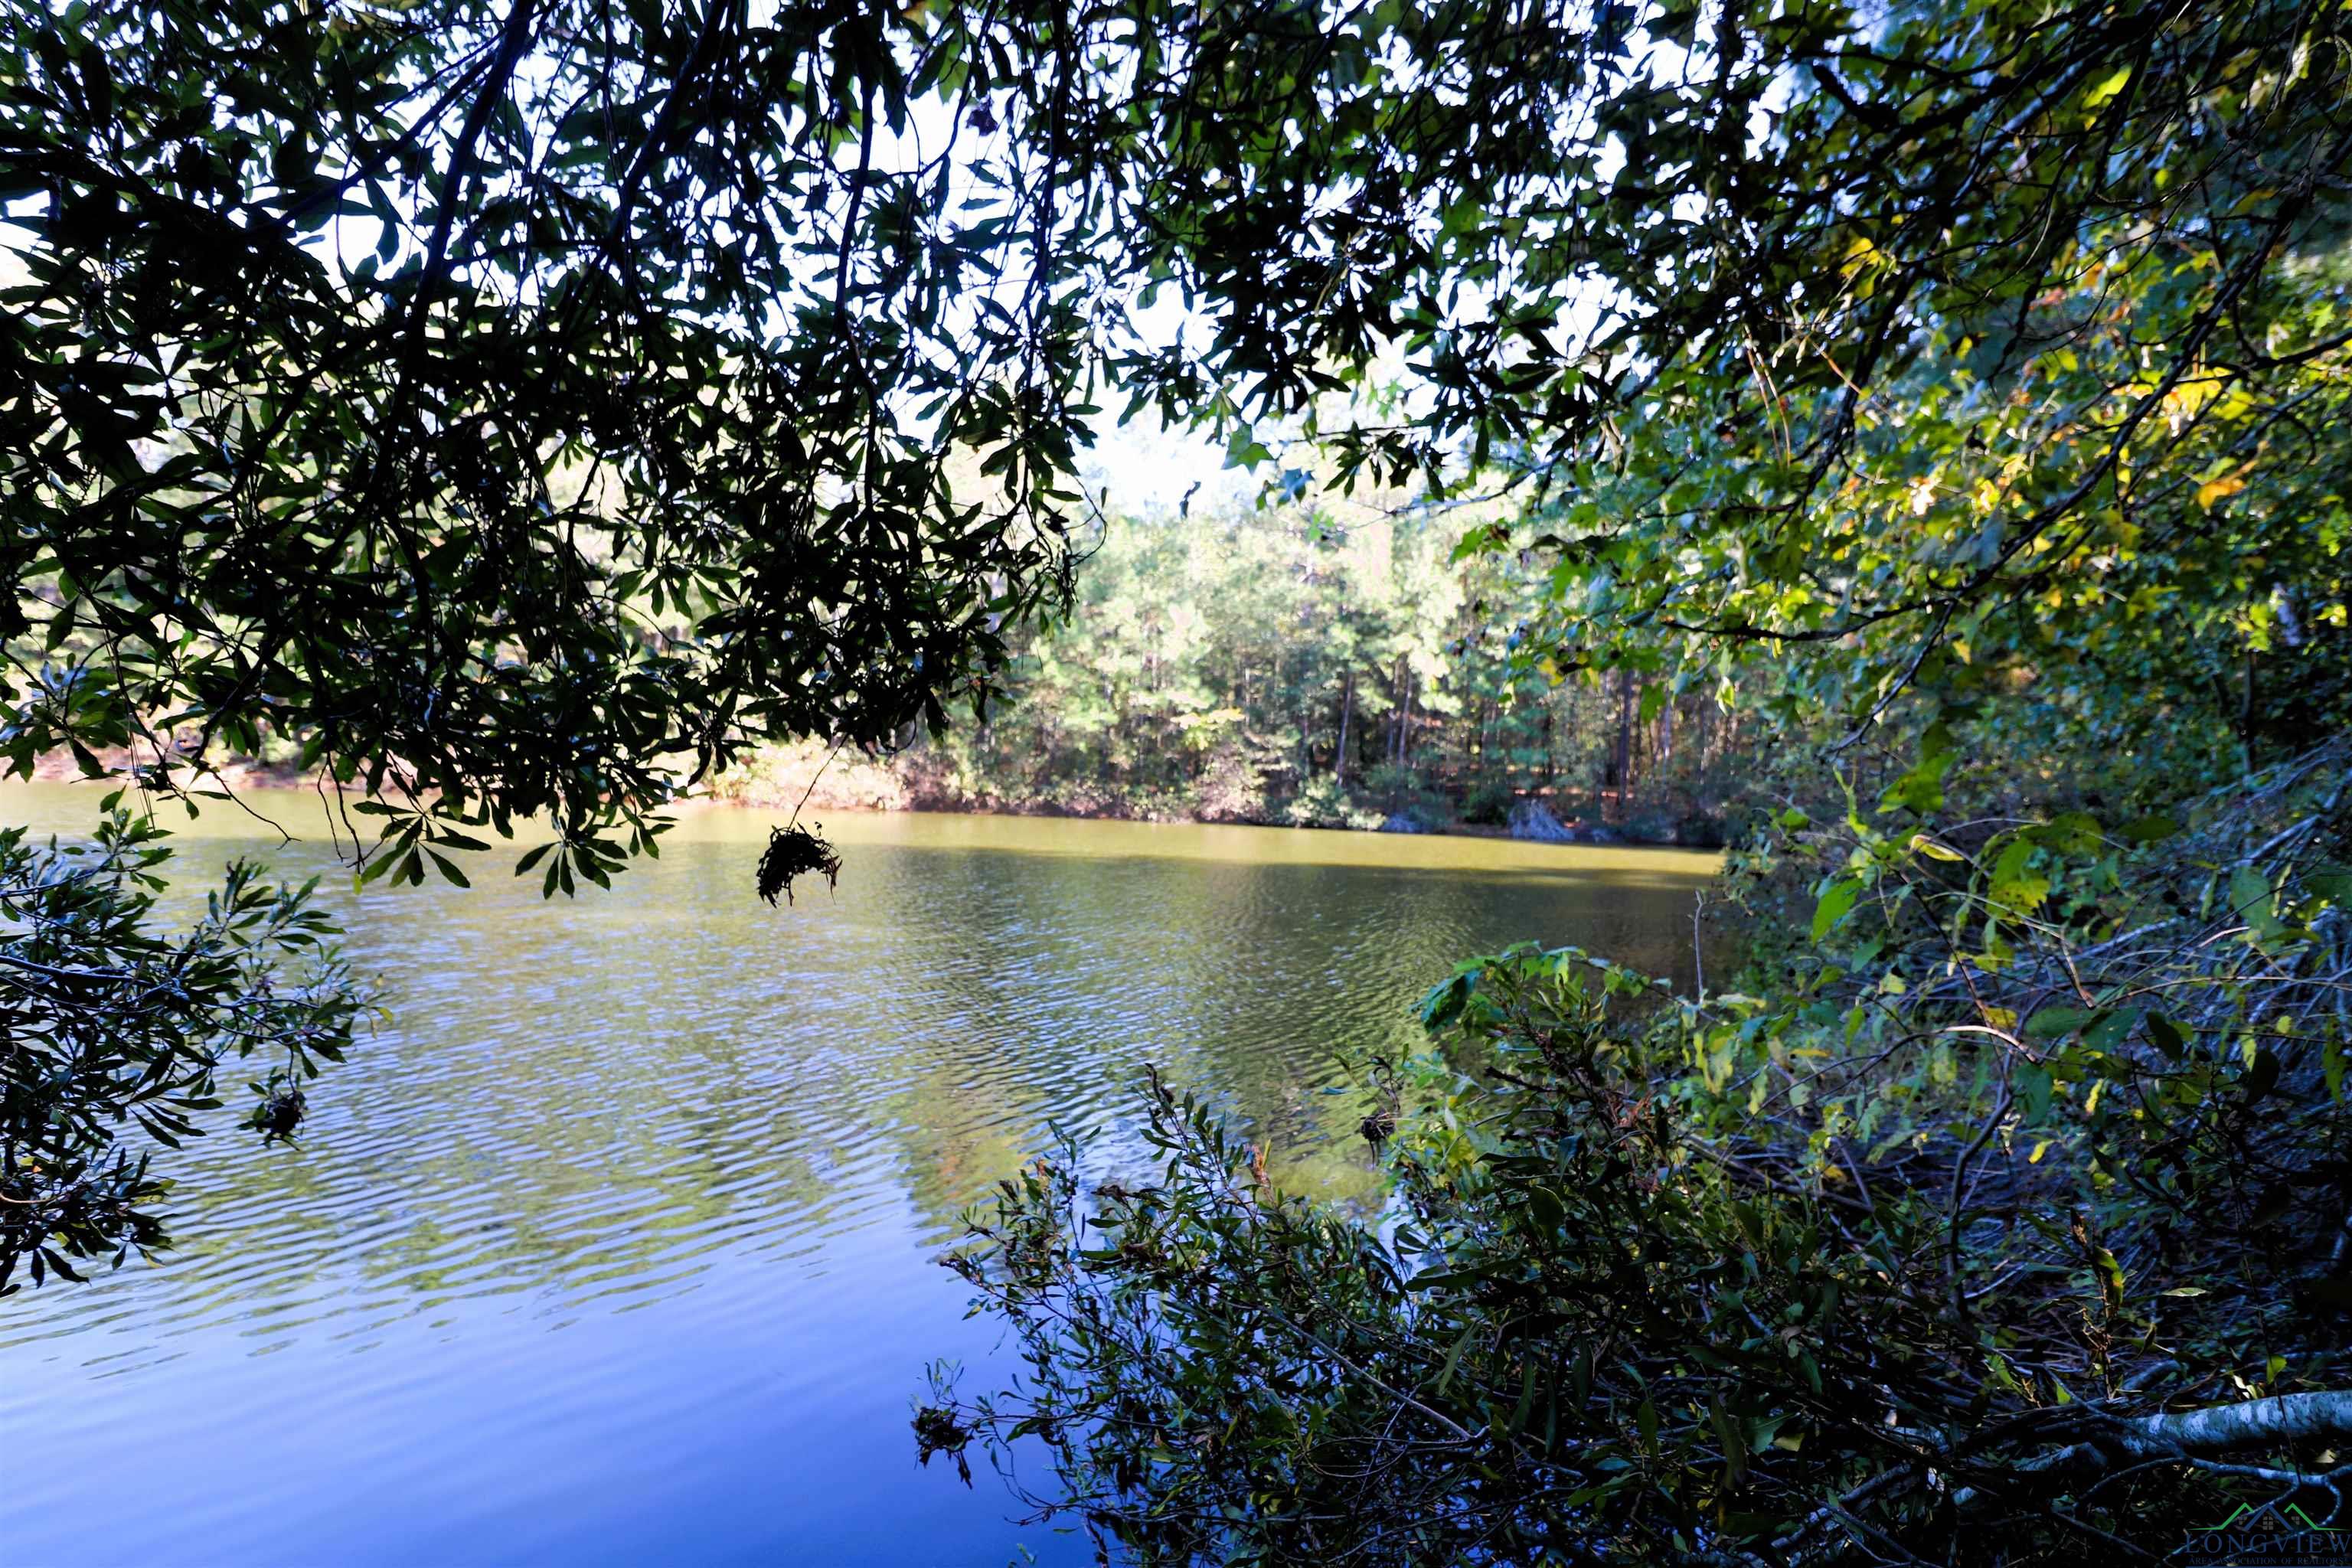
(115, 1029)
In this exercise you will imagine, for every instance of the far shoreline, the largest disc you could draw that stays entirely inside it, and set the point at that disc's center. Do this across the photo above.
(748, 792)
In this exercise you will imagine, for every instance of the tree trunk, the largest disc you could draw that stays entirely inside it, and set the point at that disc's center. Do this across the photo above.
(1699, 791)
(1624, 736)
(1347, 713)
(1395, 749)
(1405, 736)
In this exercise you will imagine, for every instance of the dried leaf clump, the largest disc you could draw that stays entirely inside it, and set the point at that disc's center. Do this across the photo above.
(794, 851)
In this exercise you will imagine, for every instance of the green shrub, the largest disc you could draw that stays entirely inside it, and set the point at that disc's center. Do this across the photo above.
(1323, 803)
(1393, 785)
(1488, 804)
(1971, 1262)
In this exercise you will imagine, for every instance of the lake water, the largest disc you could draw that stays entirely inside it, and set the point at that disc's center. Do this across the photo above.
(613, 1245)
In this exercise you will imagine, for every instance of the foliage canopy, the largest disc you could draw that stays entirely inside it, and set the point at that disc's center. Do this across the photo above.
(526, 407)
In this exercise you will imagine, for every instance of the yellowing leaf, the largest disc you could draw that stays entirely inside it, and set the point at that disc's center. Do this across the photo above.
(2187, 398)
(2107, 89)
(1862, 256)
(2213, 490)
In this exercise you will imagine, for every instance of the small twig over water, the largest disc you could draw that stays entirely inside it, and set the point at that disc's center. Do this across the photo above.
(795, 851)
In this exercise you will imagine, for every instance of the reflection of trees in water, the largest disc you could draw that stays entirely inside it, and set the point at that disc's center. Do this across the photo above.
(577, 1098)
(1250, 980)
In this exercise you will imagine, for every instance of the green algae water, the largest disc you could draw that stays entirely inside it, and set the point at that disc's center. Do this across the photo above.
(613, 1244)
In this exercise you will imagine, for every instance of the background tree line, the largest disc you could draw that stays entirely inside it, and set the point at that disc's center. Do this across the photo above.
(1320, 664)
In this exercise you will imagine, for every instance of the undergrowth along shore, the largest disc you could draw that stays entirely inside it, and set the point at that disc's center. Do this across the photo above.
(783, 777)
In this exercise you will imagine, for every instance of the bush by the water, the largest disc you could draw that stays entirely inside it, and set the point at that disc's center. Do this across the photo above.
(1752, 1281)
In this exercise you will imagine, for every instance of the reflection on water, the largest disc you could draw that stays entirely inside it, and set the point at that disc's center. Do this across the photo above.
(611, 1247)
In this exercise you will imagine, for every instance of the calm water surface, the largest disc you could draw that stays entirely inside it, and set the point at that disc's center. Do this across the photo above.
(613, 1244)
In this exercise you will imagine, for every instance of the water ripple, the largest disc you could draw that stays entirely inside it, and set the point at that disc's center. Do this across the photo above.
(610, 1245)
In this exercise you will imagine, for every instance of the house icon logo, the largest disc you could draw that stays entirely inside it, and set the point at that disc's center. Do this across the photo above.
(2267, 1535)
